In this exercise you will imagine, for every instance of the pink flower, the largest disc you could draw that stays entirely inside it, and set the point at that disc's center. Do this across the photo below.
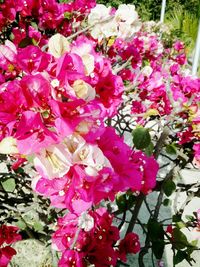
(198, 219)
(70, 67)
(87, 244)
(31, 59)
(148, 167)
(130, 244)
(196, 159)
(6, 254)
(32, 135)
(72, 258)
(115, 149)
(8, 234)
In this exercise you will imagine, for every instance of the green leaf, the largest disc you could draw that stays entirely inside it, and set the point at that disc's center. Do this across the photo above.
(169, 187)
(25, 42)
(8, 184)
(189, 217)
(180, 224)
(176, 218)
(19, 170)
(180, 240)
(149, 150)
(171, 149)
(156, 234)
(67, 15)
(141, 137)
(21, 224)
(121, 202)
(180, 256)
(158, 248)
(131, 199)
(167, 202)
(194, 242)
(38, 227)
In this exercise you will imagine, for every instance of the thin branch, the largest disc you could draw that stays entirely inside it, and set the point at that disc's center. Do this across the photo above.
(118, 69)
(161, 142)
(88, 28)
(135, 213)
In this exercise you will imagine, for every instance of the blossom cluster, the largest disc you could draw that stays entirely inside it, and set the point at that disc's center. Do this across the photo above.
(59, 84)
(94, 242)
(8, 236)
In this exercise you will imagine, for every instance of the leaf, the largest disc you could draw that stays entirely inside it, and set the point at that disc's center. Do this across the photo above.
(149, 150)
(180, 240)
(180, 256)
(141, 137)
(167, 202)
(169, 187)
(25, 42)
(158, 248)
(180, 224)
(8, 184)
(171, 149)
(121, 202)
(176, 218)
(67, 15)
(156, 234)
(38, 227)
(194, 242)
(21, 224)
(151, 112)
(189, 217)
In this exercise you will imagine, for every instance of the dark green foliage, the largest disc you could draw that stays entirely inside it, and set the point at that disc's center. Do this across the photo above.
(156, 234)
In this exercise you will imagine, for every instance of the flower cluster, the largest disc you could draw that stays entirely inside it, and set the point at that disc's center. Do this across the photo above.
(8, 236)
(83, 240)
(59, 84)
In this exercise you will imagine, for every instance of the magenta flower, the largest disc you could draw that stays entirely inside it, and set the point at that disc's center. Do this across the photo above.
(130, 244)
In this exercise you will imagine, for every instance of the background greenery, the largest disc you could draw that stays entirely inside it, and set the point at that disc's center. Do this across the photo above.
(181, 16)
(150, 9)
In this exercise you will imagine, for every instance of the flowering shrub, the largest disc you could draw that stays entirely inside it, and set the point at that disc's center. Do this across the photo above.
(74, 79)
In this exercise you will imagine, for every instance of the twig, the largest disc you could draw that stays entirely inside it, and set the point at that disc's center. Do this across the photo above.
(88, 28)
(118, 69)
(161, 142)
(135, 213)
(123, 220)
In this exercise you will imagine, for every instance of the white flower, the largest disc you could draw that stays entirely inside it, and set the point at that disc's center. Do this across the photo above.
(86, 222)
(101, 29)
(88, 61)
(83, 90)
(98, 13)
(127, 20)
(146, 71)
(84, 51)
(8, 146)
(58, 45)
(92, 157)
(53, 162)
(126, 14)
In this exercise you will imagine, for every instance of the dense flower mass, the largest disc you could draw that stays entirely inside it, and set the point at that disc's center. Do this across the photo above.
(91, 238)
(66, 71)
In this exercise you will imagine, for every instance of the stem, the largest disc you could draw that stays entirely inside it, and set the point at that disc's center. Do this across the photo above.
(161, 142)
(144, 251)
(123, 220)
(116, 70)
(87, 28)
(135, 213)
